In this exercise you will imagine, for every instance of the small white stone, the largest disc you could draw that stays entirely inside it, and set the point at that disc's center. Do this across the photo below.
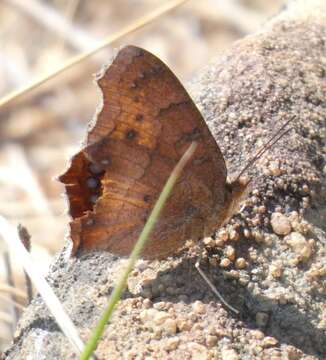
(280, 224)
(208, 241)
(275, 270)
(269, 341)
(172, 343)
(300, 246)
(170, 326)
(198, 352)
(229, 354)
(274, 168)
(147, 315)
(198, 307)
(161, 317)
(240, 263)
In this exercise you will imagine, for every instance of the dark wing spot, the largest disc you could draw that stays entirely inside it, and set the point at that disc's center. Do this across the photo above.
(147, 198)
(131, 134)
(191, 211)
(139, 117)
(95, 169)
(92, 182)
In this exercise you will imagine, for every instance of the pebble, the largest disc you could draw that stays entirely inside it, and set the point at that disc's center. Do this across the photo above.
(269, 341)
(208, 241)
(170, 326)
(275, 270)
(240, 263)
(147, 303)
(198, 352)
(198, 307)
(234, 235)
(246, 233)
(280, 224)
(257, 334)
(211, 340)
(147, 315)
(300, 246)
(223, 235)
(184, 325)
(274, 168)
(229, 354)
(172, 343)
(225, 262)
(160, 317)
(229, 252)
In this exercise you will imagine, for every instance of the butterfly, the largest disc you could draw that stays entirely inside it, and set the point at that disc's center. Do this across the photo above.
(146, 123)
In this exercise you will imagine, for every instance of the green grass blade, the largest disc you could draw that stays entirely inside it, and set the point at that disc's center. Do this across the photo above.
(121, 283)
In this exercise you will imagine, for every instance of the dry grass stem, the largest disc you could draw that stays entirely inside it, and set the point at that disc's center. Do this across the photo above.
(138, 24)
(56, 22)
(11, 237)
(4, 288)
(14, 303)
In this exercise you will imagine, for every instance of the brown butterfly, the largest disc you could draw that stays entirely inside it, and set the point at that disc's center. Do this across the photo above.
(146, 123)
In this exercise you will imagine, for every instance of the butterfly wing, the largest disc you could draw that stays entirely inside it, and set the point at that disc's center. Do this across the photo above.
(146, 123)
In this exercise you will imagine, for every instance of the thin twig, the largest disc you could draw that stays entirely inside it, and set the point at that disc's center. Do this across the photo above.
(145, 20)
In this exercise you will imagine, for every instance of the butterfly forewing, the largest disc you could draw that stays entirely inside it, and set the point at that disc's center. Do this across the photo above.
(147, 122)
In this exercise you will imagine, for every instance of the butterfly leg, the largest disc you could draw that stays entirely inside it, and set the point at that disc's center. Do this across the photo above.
(213, 288)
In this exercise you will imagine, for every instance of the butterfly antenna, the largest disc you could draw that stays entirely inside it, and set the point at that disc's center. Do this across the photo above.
(272, 141)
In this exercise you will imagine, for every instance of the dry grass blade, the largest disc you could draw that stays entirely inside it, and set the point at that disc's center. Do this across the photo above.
(10, 236)
(12, 290)
(16, 304)
(145, 20)
(49, 18)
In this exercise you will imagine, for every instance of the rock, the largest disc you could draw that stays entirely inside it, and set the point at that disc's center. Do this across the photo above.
(280, 224)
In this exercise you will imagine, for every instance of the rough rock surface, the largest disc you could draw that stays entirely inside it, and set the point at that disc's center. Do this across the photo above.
(278, 282)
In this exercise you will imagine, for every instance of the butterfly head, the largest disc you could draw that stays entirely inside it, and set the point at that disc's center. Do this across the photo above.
(236, 193)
